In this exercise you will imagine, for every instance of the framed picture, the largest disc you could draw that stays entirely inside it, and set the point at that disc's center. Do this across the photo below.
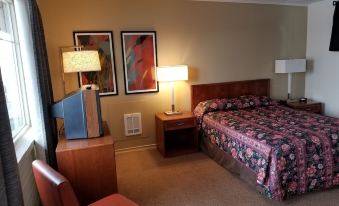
(102, 41)
(139, 53)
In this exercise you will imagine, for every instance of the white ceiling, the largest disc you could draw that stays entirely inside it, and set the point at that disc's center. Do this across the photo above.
(278, 2)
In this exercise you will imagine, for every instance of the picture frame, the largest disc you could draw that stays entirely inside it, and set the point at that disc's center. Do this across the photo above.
(139, 52)
(102, 41)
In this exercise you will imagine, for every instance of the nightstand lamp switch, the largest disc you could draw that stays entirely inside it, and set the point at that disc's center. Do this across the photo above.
(172, 74)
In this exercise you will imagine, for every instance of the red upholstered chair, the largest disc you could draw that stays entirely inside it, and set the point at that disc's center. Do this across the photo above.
(55, 190)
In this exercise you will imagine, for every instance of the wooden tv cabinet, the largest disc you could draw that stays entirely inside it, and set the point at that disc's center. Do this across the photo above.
(89, 165)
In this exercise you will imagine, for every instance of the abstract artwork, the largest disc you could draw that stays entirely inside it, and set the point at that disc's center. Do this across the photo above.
(140, 61)
(102, 41)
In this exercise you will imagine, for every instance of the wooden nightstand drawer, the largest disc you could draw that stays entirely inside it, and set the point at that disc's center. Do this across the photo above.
(309, 106)
(312, 108)
(179, 124)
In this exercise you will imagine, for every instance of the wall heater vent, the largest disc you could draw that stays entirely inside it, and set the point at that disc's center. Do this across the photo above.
(132, 124)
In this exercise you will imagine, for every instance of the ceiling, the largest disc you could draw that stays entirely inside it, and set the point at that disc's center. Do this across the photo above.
(278, 2)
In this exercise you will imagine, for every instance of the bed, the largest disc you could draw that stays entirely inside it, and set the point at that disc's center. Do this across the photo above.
(280, 151)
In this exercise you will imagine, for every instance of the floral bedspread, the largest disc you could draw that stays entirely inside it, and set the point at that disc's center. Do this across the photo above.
(292, 152)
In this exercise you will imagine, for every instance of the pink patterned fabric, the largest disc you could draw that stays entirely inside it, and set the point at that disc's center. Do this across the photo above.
(292, 152)
(242, 102)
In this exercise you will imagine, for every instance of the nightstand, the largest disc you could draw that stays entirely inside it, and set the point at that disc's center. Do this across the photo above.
(309, 106)
(176, 134)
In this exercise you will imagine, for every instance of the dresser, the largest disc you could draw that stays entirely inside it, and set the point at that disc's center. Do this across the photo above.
(89, 165)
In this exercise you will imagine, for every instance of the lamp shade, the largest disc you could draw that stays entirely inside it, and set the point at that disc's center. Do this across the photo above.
(290, 66)
(172, 73)
(81, 61)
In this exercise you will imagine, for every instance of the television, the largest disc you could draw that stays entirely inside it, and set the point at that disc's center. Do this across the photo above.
(81, 113)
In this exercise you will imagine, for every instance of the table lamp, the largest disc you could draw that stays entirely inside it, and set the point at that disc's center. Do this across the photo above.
(172, 74)
(79, 61)
(290, 66)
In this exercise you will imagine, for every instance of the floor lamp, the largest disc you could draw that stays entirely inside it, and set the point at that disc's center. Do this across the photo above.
(290, 66)
(172, 74)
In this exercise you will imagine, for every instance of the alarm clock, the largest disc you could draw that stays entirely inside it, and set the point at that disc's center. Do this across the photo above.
(303, 100)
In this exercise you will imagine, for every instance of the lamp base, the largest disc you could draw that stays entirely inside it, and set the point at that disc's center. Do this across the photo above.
(89, 87)
(173, 113)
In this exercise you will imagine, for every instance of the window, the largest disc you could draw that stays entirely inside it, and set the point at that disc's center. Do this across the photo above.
(11, 70)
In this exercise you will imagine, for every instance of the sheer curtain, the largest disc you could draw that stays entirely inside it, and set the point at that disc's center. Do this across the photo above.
(10, 187)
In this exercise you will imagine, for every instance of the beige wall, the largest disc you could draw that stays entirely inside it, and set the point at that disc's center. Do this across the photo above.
(219, 41)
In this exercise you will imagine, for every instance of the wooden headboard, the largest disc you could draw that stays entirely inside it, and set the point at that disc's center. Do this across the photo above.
(201, 92)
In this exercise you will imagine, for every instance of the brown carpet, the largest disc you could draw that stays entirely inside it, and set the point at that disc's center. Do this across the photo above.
(149, 179)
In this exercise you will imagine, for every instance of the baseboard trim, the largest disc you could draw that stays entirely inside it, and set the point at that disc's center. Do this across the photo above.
(137, 148)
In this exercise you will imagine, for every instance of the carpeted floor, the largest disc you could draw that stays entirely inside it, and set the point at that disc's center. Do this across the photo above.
(149, 179)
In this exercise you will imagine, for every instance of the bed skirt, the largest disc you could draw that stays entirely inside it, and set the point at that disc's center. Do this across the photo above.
(226, 160)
